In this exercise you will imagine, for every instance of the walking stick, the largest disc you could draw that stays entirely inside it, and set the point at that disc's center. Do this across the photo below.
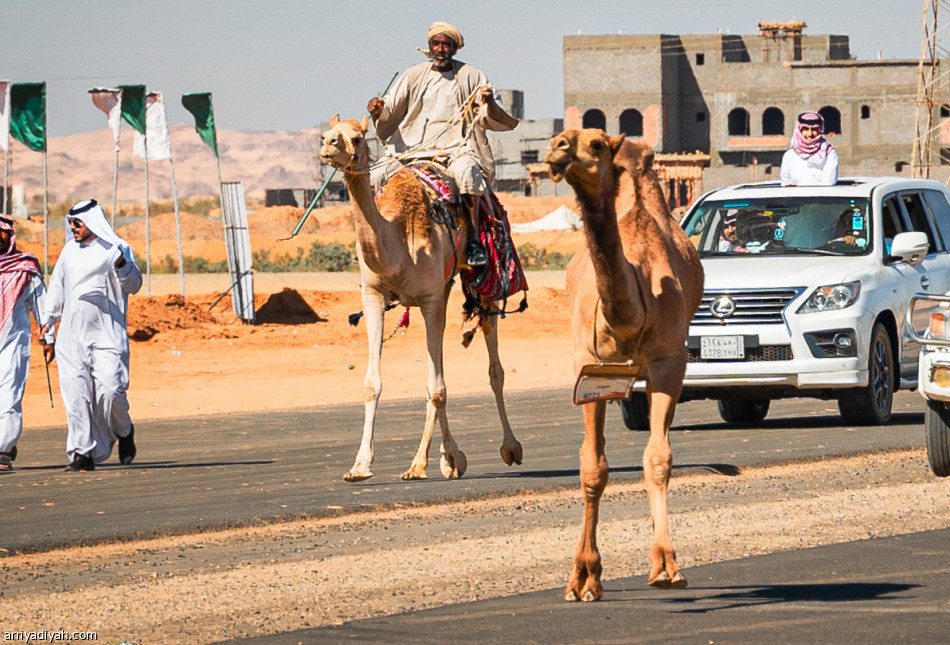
(326, 182)
(49, 385)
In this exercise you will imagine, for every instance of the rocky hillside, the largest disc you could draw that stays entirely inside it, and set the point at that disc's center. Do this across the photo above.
(81, 165)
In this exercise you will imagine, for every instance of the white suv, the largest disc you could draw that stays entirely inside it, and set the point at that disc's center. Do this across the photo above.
(806, 293)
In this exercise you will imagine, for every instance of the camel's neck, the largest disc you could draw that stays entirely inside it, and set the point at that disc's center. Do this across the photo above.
(379, 242)
(617, 283)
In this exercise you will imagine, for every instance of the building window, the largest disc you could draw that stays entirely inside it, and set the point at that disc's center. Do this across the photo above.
(832, 118)
(631, 123)
(700, 58)
(773, 121)
(865, 112)
(739, 123)
(944, 111)
(700, 117)
(529, 156)
(594, 119)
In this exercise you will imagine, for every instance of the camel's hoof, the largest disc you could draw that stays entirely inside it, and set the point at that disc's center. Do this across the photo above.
(460, 465)
(356, 477)
(590, 596)
(570, 596)
(512, 454)
(663, 581)
(411, 475)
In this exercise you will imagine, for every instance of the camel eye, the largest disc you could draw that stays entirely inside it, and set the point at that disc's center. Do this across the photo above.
(357, 140)
(598, 146)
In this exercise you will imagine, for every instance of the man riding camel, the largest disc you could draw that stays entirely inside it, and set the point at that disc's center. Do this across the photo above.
(440, 111)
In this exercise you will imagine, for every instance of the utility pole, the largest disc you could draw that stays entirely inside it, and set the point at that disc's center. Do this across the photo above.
(932, 89)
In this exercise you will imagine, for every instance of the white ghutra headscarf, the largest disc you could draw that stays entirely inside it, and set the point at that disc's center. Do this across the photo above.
(90, 213)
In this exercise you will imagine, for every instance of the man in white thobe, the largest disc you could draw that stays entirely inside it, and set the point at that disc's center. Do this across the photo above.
(88, 295)
(440, 110)
(21, 291)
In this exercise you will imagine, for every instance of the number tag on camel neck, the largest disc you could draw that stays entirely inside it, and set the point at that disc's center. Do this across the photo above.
(605, 382)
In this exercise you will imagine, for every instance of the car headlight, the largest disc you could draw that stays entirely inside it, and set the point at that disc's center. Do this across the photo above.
(831, 298)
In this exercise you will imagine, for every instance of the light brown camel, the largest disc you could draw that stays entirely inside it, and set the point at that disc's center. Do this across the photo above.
(634, 289)
(405, 256)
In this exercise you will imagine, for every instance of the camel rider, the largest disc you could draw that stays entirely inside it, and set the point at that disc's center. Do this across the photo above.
(421, 118)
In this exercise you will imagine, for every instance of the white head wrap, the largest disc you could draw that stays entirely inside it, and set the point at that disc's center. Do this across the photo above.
(90, 213)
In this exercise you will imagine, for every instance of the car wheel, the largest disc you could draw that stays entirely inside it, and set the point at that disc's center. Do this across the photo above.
(743, 410)
(636, 411)
(937, 419)
(871, 405)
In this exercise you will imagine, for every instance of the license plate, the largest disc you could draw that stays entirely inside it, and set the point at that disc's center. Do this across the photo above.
(721, 347)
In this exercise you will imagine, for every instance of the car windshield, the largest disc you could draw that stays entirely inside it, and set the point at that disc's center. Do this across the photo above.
(785, 225)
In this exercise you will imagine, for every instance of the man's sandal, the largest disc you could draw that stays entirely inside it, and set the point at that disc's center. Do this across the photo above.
(6, 463)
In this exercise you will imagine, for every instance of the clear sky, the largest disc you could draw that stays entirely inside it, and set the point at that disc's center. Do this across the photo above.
(290, 64)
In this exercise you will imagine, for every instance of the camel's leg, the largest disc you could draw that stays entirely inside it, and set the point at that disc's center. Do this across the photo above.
(585, 572)
(665, 383)
(511, 450)
(453, 462)
(373, 309)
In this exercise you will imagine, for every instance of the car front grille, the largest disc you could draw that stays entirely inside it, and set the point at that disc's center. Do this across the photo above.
(744, 307)
(752, 354)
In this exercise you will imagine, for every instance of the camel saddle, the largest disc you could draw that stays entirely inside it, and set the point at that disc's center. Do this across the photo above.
(503, 275)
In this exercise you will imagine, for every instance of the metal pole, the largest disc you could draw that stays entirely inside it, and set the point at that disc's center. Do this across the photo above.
(45, 217)
(181, 257)
(115, 183)
(6, 174)
(148, 239)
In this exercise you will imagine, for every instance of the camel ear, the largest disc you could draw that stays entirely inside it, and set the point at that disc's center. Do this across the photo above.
(365, 121)
(646, 161)
(616, 142)
(334, 120)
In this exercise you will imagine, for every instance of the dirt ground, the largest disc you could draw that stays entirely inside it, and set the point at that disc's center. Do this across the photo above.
(192, 356)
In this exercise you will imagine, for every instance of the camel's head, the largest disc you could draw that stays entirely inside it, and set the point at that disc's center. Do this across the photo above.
(344, 143)
(582, 156)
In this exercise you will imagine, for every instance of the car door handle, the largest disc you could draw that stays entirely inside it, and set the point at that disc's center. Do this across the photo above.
(925, 282)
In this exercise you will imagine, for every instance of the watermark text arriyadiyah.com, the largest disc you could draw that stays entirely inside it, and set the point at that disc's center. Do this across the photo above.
(49, 636)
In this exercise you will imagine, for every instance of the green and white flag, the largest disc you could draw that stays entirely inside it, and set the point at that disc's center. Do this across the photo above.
(159, 143)
(28, 114)
(199, 104)
(4, 115)
(109, 100)
(133, 106)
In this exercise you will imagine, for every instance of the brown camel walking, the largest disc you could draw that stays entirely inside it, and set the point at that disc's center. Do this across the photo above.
(405, 256)
(634, 289)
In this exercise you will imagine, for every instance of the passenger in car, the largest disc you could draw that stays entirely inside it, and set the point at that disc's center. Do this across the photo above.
(811, 160)
(729, 234)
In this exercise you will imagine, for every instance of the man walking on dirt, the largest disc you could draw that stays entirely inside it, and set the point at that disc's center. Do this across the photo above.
(440, 110)
(88, 295)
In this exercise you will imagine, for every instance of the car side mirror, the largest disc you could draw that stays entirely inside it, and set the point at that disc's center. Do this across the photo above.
(910, 247)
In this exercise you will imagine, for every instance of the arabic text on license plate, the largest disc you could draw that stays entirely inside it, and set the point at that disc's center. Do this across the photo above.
(721, 347)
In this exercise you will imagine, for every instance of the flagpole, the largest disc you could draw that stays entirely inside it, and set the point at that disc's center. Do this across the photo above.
(6, 173)
(115, 183)
(148, 239)
(45, 216)
(181, 257)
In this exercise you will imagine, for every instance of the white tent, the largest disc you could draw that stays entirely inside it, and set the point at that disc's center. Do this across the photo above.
(560, 219)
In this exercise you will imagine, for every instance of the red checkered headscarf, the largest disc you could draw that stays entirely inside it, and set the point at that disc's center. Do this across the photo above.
(17, 268)
(818, 145)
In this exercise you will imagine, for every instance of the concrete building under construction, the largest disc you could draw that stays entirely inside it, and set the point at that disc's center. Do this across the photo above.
(720, 109)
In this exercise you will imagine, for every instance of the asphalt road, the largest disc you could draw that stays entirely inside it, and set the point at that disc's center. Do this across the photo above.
(207, 472)
(888, 590)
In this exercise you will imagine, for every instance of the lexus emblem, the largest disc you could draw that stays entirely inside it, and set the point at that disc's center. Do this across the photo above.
(723, 307)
